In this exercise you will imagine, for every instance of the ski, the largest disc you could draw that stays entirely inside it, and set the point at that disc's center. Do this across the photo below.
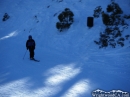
(36, 60)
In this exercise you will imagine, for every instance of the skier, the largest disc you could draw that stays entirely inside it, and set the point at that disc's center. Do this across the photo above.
(30, 44)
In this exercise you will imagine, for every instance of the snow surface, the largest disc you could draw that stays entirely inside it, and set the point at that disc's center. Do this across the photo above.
(71, 65)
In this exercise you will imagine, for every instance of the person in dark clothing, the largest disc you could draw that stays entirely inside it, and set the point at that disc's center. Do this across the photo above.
(30, 44)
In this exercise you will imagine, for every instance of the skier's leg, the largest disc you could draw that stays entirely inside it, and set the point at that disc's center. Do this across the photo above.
(31, 53)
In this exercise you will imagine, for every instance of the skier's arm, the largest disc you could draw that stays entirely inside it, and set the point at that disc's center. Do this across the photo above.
(34, 44)
(27, 44)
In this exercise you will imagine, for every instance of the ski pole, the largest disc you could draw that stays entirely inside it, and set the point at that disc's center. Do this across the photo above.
(24, 55)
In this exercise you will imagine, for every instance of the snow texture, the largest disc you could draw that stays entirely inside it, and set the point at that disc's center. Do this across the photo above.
(71, 64)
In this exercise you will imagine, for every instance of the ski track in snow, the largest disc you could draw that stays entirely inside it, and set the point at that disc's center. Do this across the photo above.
(71, 65)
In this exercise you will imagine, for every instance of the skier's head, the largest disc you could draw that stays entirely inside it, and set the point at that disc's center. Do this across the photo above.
(29, 37)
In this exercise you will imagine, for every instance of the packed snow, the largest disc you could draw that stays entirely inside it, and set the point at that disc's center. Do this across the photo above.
(71, 64)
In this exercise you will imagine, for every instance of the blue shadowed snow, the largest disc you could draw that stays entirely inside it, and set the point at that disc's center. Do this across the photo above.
(71, 64)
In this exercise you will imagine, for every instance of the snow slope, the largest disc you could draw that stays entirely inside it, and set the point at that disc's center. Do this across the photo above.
(71, 65)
